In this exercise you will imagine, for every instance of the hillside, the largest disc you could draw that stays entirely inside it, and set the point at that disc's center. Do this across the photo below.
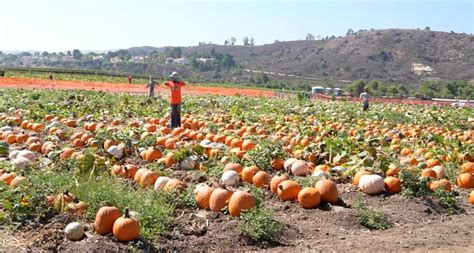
(389, 55)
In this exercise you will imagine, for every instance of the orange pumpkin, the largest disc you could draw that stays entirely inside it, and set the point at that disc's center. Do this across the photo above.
(277, 163)
(309, 197)
(467, 167)
(203, 196)
(465, 180)
(249, 172)
(175, 185)
(105, 218)
(240, 201)
(392, 184)
(233, 166)
(147, 178)
(276, 180)
(152, 154)
(126, 228)
(219, 199)
(261, 179)
(288, 190)
(444, 183)
(328, 190)
(471, 198)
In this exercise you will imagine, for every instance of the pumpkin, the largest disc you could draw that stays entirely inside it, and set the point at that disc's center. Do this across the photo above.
(430, 163)
(129, 170)
(202, 196)
(26, 154)
(261, 179)
(276, 180)
(151, 154)
(467, 167)
(360, 173)
(277, 163)
(240, 201)
(8, 177)
(471, 198)
(161, 182)
(288, 163)
(249, 172)
(174, 185)
(444, 183)
(230, 178)
(392, 184)
(371, 184)
(288, 190)
(126, 228)
(429, 173)
(233, 166)
(309, 197)
(138, 174)
(74, 231)
(148, 178)
(465, 180)
(76, 206)
(439, 170)
(17, 181)
(187, 164)
(66, 153)
(328, 190)
(105, 218)
(300, 168)
(219, 199)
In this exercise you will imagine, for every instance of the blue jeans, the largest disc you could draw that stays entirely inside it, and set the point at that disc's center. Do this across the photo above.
(175, 115)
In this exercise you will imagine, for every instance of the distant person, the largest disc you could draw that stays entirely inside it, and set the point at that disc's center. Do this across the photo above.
(130, 79)
(50, 76)
(2, 73)
(175, 84)
(364, 97)
(151, 87)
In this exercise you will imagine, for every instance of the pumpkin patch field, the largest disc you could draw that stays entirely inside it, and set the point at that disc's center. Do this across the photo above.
(95, 171)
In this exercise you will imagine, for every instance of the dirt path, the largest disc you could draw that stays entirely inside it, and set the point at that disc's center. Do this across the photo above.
(27, 83)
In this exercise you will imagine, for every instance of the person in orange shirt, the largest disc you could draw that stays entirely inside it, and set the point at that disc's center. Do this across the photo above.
(175, 98)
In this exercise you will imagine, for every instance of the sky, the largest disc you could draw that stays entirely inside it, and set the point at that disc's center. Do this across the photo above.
(59, 25)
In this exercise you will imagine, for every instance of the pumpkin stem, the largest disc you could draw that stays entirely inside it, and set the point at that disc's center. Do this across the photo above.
(126, 214)
(66, 192)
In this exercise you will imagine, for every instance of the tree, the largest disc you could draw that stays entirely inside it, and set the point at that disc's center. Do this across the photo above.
(45, 54)
(427, 28)
(76, 54)
(1, 53)
(226, 42)
(309, 36)
(233, 40)
(276, 41)
(246, 41)
(350, 32)
(252, 42)
(68, 53)
(357, 87)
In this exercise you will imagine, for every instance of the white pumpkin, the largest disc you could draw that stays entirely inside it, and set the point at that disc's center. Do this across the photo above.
(300, 168)
(116, 151)
(20, 162)
(13, 154)
(439, 171)
(288, 163)
(230, 177)
(320, 173)
(371, 184)
(161, 182)
(17, 181)
(199, 187)
(27, 154)
(187, 164)
(74, 231)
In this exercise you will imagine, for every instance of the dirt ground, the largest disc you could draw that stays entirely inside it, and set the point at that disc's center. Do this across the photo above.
(419, 225)
(27, 83)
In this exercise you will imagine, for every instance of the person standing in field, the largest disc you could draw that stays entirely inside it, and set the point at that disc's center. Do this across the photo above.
(364, 97)
(2, 73)
(130, 79)
(175, 98)
(50, 76)
(151, 87)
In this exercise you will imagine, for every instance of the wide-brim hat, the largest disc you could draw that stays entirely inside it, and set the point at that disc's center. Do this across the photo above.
(174, 75)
